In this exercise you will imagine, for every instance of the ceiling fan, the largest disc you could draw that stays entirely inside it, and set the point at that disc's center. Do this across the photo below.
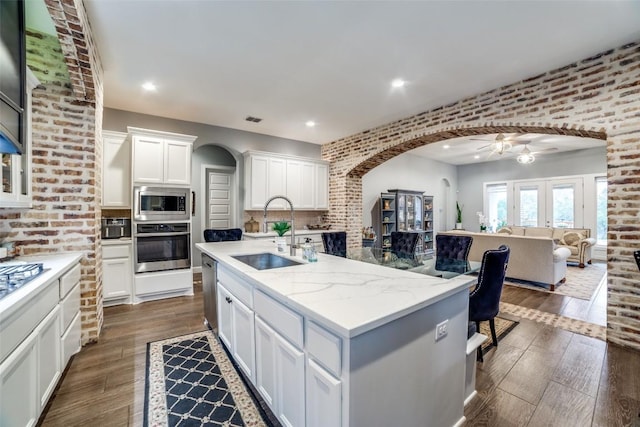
(504, 144)
(500, 145)
(527, 156)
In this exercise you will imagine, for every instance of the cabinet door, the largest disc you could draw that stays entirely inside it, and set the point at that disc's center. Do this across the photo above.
(224, 316)
(301, 184)
(324, 400)
(277, 182)
(148, 160)
(116, 278)
(243, 337)
(48, 356)
(18, 385)
(322, 186)
(116, 170)
(258, 191)
(266, 362)
(290, 383)
(177, 162)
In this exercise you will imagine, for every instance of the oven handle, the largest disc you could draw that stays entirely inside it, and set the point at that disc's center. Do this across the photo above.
(161, 234)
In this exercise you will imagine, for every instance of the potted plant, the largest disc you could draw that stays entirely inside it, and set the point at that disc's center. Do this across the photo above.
(280, 228)
(458, 217)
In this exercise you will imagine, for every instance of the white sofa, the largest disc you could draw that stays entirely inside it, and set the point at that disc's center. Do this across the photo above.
(535, 259)
(577, 240)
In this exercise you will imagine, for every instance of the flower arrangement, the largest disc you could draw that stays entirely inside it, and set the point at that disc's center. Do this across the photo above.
(281, 227)
(482, 220)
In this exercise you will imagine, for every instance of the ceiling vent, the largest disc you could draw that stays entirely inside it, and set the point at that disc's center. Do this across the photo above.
(253, 119)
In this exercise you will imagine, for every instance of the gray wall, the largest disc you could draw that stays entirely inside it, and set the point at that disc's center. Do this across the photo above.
(215, 145)
(472, 177)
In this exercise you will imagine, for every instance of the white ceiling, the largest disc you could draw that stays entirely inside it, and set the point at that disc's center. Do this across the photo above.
(216, 62)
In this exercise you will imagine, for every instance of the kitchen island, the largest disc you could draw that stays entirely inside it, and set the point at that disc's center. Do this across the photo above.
(340, 342)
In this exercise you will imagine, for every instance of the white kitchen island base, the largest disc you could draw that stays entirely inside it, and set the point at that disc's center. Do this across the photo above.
(345, 343)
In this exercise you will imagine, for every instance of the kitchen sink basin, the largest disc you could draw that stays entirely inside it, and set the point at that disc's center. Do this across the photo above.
(265, 261)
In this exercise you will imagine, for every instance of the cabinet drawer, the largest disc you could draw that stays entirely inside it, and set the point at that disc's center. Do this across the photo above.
(280, 318)
(237, 286)
(116, 251)
(324, 347)
(70, 306)
(69, 280)
(71, 340)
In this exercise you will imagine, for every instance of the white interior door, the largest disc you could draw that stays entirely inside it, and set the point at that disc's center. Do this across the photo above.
(551, 203)
(220, 199)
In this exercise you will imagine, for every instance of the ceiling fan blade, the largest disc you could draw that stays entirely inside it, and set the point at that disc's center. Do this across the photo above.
(484, 146)
(546, 150)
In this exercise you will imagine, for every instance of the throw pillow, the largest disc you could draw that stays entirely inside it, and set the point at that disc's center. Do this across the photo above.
(505, 230)
(572, 238)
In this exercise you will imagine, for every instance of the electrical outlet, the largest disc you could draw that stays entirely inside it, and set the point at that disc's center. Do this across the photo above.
(441, 329)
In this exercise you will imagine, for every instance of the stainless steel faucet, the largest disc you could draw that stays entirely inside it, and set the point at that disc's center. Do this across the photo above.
(292, 250)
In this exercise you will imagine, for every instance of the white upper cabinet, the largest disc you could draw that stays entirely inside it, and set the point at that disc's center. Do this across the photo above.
(161, 157)
(116, 170)
(304, 181)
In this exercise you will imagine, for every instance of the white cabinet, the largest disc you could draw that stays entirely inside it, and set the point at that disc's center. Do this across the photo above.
(161, 157)
(280, 375)
(117, 274)
(116, 170)
(70, 339)
(304, 181)
(19, 385)
(236, 329)
(324, 399)
(48, 356)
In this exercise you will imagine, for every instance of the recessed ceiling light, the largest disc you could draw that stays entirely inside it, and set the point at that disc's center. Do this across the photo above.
(149, 86)
(310, 124)
(477, 156)
(446, 146)
(398, 83)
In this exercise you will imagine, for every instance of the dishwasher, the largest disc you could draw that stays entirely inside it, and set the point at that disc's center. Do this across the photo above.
(209, 291)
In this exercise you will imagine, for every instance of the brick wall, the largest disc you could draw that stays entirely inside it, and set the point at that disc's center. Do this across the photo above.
(66, 155)
(597, 97)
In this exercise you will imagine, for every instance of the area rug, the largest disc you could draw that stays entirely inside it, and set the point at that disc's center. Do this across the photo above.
(581, 283)
(191, 381)
(567, 323)
(503, 327)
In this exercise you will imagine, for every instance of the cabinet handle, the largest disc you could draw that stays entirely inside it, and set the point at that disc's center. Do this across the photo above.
(229, 300)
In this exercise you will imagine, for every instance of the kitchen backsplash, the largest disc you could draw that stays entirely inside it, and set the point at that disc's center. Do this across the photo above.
(302, 218)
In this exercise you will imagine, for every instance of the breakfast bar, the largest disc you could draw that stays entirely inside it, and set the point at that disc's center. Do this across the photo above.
(340, 342)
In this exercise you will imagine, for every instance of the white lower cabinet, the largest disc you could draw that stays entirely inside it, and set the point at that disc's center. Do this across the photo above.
(19, 385)
(280, 375)
(117, 274)
(49, 356)
(236, 329)
(324, 398)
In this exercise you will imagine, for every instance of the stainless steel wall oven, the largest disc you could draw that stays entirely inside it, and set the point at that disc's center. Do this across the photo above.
(161, 246)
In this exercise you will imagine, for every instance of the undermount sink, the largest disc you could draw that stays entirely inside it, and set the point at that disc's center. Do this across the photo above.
(265, 261)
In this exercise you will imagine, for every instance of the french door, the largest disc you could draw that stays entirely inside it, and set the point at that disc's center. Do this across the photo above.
(549, 203)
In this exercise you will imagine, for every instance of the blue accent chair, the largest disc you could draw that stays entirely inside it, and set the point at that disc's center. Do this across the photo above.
(222, 234)
(484, 299)
(335, 243)
(403, 244)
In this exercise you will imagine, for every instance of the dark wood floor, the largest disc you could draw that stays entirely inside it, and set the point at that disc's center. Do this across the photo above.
(537, 376)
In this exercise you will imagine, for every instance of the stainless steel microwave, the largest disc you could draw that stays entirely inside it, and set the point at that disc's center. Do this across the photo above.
(161, 204)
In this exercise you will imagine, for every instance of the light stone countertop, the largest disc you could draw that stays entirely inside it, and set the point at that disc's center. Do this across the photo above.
(55, 265)
(346, 296)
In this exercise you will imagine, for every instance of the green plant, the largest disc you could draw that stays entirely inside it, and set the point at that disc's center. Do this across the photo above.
(281, 227)
(459, 215)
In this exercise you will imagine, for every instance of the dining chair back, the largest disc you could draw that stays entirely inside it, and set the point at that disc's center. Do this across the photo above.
(335, 243)
(453, 247)
(403, 243)
(222, 234)
(636, 255)
(484, 299)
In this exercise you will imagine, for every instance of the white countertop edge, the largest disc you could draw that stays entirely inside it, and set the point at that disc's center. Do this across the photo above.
(453, 286)
(303, 232)
(55, 265)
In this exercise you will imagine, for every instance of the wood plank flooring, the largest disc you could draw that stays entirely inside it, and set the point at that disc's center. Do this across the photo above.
(537, 376)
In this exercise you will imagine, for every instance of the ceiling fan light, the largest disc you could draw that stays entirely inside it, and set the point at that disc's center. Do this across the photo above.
(526, 158)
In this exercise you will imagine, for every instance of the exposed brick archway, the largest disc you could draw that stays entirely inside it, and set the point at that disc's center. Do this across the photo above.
(597, 97)
(382, 156)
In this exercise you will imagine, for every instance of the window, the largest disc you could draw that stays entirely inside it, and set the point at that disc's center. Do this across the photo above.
(529, 206)
(601, 210)
(497, 206)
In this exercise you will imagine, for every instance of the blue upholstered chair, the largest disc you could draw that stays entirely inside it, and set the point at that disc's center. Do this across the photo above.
(636, 255)
(403, 244)
(484, 299)
(222, 234)
(453, 247)
(335, 243)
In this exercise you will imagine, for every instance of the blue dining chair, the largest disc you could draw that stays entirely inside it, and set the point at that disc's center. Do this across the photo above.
(222, 234)
(453, 247)
(335, 243)
(484, 299)
(403, 244)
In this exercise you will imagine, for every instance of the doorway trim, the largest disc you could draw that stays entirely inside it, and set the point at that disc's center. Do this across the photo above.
(234, 198)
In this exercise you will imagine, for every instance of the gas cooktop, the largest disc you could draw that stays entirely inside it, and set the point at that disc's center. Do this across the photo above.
(15, 276)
